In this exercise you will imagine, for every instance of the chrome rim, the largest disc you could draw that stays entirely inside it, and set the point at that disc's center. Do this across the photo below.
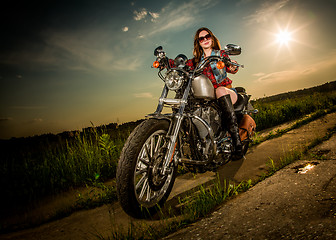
(146, 172)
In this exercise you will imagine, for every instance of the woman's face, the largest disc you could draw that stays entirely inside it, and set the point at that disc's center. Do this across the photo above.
(205, 39)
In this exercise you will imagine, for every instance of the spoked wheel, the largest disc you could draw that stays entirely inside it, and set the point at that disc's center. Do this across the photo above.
(141, 187)
(150, 185)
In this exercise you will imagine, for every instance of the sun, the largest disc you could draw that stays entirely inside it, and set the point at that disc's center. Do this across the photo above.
(283, 37)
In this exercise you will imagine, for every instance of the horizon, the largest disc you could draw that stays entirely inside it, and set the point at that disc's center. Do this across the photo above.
(66, 64)
(133, 121)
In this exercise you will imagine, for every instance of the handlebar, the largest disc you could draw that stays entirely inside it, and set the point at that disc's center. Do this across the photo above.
(208, 60)
(163, 60)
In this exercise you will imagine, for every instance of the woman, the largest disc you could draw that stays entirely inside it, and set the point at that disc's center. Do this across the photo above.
(205, 45)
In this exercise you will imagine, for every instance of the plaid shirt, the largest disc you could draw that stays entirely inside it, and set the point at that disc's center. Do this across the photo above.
(207, 71)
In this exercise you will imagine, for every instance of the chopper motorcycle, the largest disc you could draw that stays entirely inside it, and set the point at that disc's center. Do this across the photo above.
(191, 134)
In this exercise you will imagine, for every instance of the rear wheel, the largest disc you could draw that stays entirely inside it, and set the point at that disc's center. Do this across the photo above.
(141, 187)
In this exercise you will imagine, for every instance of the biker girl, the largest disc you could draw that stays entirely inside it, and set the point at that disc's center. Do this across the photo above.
(206, 44)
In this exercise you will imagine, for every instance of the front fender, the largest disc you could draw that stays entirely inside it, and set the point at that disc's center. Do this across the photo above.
(168, 117)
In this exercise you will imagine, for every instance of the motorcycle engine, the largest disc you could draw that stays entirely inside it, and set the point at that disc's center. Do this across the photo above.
(211, 116)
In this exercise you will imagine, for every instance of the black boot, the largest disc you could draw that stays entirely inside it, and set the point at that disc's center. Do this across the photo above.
(229, 120)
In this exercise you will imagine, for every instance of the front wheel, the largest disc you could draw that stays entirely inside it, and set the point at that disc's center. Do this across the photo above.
(140, 186)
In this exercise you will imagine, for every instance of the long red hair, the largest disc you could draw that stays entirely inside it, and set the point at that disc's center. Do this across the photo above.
(198, 50)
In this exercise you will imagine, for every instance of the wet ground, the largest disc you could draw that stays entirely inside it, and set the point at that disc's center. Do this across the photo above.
(290, 204)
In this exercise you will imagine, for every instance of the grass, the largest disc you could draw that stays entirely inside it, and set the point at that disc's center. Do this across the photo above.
(194, 207)
(89, 159)
(97, 195)
(274, 134)
(277, 112)
(208, 198)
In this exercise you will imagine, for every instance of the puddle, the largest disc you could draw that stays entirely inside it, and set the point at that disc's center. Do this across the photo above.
(304, 168)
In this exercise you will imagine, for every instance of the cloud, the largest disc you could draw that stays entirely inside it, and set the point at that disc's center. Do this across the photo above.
(27, 107)
(138, 15)
(281, 76)
(89, 49)
(178, 16)
(37, 120)
(130, 63)
(243, 2)
(155, 16)
(320, 66)
(266, 11)
(97, 48)
(143, 95)
(258, 74)
(34, 121)
(6, 119)
(93, 49)
(143, 13)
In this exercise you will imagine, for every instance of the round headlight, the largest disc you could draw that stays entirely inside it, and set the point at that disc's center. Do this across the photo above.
(174, 79)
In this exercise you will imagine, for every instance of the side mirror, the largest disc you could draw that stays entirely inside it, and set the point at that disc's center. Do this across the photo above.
(232, 49)
(157, 51)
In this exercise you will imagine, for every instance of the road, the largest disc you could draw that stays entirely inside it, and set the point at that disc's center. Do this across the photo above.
(295, 203)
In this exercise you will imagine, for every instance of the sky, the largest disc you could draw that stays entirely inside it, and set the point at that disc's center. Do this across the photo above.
(65, 65)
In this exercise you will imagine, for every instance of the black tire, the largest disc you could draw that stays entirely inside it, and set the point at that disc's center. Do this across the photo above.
(140, 191)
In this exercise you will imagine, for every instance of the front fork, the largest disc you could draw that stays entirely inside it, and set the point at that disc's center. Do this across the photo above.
(175, 124)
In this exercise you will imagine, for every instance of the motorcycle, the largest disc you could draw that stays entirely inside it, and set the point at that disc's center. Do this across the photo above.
(190, 134)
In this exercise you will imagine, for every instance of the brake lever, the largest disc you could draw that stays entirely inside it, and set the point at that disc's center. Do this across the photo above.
(228, 62)
(237, 64)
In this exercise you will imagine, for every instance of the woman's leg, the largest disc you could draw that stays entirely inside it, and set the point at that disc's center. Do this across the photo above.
(226, 98)
(222, 91)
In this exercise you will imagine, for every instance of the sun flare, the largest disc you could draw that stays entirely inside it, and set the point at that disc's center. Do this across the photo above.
(283, 37)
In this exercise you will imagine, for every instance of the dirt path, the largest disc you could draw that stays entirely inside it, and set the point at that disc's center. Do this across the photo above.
(99, 222)
(288, 205)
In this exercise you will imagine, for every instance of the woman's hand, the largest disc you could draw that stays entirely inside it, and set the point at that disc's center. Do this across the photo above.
(232, 68)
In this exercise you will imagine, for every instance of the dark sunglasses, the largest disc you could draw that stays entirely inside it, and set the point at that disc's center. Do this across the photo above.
(206, 37)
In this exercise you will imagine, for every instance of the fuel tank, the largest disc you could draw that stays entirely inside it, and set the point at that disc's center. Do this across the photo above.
(203, 88)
